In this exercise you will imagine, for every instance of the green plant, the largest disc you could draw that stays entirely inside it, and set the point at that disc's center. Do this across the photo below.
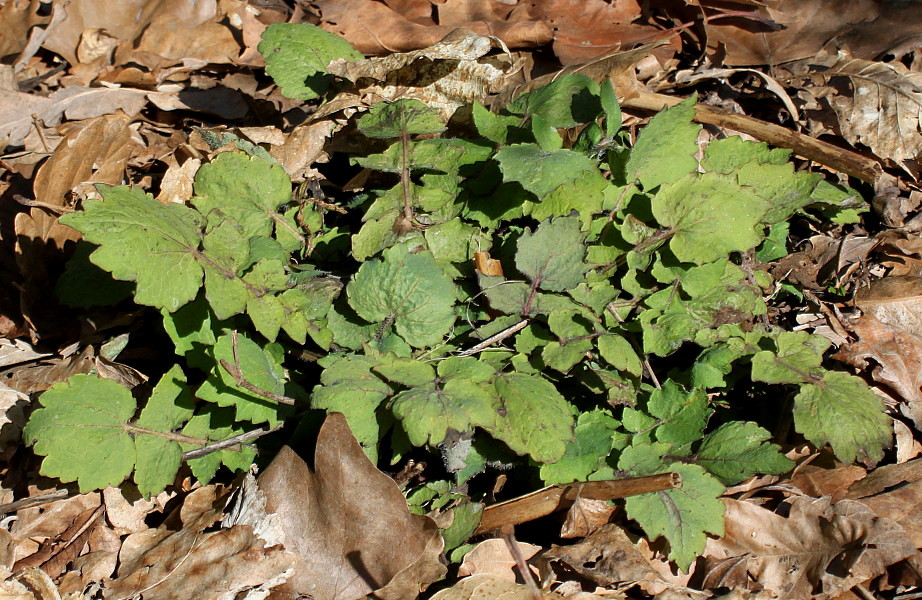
(616, 256)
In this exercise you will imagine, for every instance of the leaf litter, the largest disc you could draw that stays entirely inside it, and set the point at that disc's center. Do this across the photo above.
(115, 111)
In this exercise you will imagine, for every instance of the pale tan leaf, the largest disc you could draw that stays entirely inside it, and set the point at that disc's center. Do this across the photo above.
(882, 112)
(489, 587)
(76, 103)
(493, 557)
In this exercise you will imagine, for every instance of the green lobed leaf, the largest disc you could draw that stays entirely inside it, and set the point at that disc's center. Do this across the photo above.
(798, 358)
(841, 410)
(738, 450)
(144, 241)
(260, 367)
(541, 172)
(710, 216)
(553, 256)
(595, 436)
(84, 417)
(428, 412)
(684, 515)
(407, 116)
(565, 102)
(348, 386)
(244, 188)
(729, 154)
(491, 125)
(665, 149)
(534, 418)
(297, 55)
(408, 290)
(215, 423)
(681, 416)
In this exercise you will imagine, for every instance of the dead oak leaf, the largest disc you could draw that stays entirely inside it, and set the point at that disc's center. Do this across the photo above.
(348, 523)
(808, 548)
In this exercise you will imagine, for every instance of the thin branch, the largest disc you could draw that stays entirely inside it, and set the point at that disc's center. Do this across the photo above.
(25, 503)
(508, 534)
(502, 335)
(229, 442)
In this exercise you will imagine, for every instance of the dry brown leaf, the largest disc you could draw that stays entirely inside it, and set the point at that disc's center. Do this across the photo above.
(586, 30)
(304, 147)
(446, 75)
(171, 39)
(18, 17)
(375, 28)
(896, 31)
(38, 377)
(585, 516)
(17, 109)
(36, 525)
(906, 445)
(882, 111)
(176, 185)
(348, 523)
(901, 252)
(492, 557)
(191, 563)
(895, 492)
(817, 481)
(806, 28)
(490, 587)
(807, 548)
(606, 557)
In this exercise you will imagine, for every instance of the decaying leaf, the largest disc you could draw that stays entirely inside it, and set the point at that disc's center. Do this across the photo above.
(162, 564)
(348, 523)
(490, 587)
(446, 75)
(805, 28)
(808, 548)
(883, 109)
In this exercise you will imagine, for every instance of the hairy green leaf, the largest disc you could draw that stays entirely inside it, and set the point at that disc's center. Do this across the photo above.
(408, 291)
(738, 450)
(297, 56)
(144, 241)
(841, 410)
(666, 147)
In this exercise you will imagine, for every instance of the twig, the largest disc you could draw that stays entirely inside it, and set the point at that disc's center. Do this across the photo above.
(234, 371)
(508, 534)
(505, 333)
(25, 503)
(233, 441)
(58, 210)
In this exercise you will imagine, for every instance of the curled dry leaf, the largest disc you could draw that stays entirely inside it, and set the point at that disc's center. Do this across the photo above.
(882, 111)
(446, 75)
(808, 548)
(348, 523)
(493, 557)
